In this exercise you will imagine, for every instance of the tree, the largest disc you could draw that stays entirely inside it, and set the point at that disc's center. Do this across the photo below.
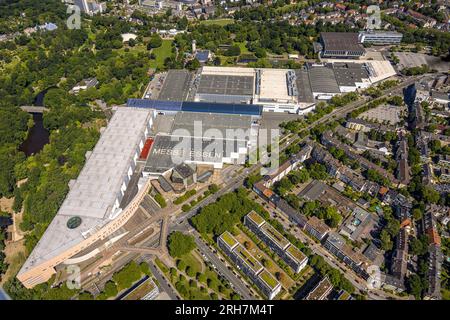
(417, 214)
(127, 276)
(181, 265)
(293, 201)
(386, 242)
(415, 286)
(110, 289)
(317, 171)
(429, 195)
(190, 271)
(232, 51)
(435, 145)
(251, 180)
(160, 200)
(154, 42)
(193, 64)
(260, 53)
(417, 247)
(180, 244)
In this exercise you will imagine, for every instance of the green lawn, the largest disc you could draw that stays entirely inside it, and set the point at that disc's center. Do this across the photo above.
(220, 22)
(161, 54)
(243, 48)
(192, 261)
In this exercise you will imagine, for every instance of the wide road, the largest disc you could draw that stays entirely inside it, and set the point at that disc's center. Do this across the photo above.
(163, 282)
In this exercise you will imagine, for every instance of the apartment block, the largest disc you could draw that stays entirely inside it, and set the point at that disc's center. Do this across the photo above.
(276, 241)
(249, 265)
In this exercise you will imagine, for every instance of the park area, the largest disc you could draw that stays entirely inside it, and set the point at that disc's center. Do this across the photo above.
(220, 22)
(194, 279)
(161, 53)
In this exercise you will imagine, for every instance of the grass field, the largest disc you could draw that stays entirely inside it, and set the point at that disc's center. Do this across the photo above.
(161, 54)
(192, 261)
(243, 48)
(220, 22)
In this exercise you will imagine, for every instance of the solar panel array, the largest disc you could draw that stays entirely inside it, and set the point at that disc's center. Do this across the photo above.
(189, 106)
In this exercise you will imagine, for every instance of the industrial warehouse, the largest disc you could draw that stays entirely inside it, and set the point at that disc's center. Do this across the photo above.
(271, 90)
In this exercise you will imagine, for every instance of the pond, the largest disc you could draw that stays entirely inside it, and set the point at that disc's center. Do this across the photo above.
(37, 137)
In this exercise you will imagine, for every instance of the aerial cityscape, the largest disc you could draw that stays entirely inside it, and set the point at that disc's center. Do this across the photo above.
(234, 150)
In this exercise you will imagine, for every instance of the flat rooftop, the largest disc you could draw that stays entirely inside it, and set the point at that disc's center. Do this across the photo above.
(277, 237)
(93, 194)
(341, 41)
(226, 124)
(249, 260)
(226, 85)
(348, 74)
(305, 93)
(170, 150)
(176, 85)
(321, 290)
(269, 279)
(274, 85)
(228, 71)
(322, 79)
(256, 218)
(228, 239)
(194, 106)
(295, 253)
(141, 291)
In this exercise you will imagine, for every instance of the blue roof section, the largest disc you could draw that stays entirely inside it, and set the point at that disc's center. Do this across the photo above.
(190, 106)
(202, 56)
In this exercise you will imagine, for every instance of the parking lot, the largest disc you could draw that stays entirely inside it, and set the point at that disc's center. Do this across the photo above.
(411, 59)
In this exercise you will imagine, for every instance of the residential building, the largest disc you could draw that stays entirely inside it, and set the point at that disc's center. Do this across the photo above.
(336, 244)
(344, 295)
(321, 290)
(435, 260)
(249, 265)
(357, 225)
(317, 228)
(147, 290)
(400, 255)
(276, 241)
